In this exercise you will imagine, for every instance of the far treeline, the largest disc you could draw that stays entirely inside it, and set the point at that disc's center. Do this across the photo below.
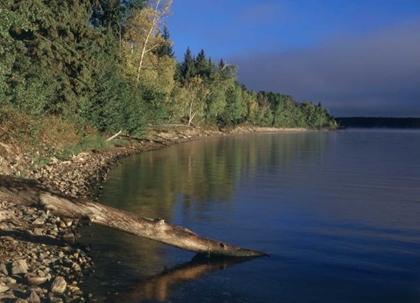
(73, 68)
(379, 122)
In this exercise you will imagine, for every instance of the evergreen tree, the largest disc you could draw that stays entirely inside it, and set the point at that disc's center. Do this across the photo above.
(166, 48)
(56, 64)
(203, 66)
(187, 68)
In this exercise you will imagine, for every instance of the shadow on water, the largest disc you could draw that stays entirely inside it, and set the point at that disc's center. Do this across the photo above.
(157, 287)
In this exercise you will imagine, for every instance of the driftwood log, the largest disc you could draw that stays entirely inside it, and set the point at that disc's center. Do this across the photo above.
(30, 193)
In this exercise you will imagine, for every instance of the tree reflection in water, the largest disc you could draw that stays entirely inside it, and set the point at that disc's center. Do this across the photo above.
(157, 287)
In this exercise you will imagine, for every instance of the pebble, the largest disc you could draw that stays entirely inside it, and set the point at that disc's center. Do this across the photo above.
(59, 285)
(19, 267)
(37, 271)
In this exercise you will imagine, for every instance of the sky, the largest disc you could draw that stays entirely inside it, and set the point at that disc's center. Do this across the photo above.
(356, 57)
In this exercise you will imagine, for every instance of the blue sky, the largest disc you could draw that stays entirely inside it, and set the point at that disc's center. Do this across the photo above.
(358, 58)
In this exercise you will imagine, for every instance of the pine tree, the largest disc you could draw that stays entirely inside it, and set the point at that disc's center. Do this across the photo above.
(166, 48)
(56, 64)
(202, 65)
(187, 68)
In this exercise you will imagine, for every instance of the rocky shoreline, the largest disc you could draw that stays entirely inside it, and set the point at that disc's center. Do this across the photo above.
(40, 260)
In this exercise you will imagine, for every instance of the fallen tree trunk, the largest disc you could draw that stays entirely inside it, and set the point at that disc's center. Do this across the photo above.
(29, 193)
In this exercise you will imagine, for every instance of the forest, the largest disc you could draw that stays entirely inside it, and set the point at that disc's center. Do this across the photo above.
(74, 69)
(378, 122)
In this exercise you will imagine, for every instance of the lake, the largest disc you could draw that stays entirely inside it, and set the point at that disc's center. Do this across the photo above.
(338, 212)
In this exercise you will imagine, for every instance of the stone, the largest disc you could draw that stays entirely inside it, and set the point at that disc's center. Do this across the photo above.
(19, 267)
(56, 300)
(35, 280)
(69, 237)
(9, 280)
(59, 285)
(33, 298)
(3, 288)
(38, 231)
(3, 269)
(38, 221)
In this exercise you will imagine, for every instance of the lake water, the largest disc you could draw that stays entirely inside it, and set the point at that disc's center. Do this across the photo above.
(338, 212)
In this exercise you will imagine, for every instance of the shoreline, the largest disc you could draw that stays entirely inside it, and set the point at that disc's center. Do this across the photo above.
(40, 259)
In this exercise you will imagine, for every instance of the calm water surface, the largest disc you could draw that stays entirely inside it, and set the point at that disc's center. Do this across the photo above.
(339, 213)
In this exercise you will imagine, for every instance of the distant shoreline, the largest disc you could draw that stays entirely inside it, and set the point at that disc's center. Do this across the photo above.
(378, 122)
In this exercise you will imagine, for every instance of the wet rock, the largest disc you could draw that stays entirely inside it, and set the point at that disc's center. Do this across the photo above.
(59, 285)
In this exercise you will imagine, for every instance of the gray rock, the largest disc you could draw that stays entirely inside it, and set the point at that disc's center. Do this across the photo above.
(19, 267)
(59, 285)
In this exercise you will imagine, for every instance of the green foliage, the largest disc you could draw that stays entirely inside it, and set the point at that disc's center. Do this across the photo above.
(77, 65)
(187, 68)
(166, 48)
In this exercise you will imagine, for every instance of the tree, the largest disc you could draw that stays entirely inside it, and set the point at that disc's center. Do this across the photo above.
(187, 67)
(141, 35)
(166, 48)
(202, 65)
(55, 55)
(196, 94)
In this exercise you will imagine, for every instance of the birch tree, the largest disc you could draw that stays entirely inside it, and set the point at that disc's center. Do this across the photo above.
(142, 36)
(198, 92)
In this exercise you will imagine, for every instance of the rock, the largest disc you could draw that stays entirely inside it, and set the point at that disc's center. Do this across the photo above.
(3, 269)
(3, 288)
(69, 237)
(56, 300)
(19, 267)
(59, 285)
(76, 267)
(35, 280)
(38, 231)
(7, 295)
(38, 221)
(33, 298)
(9, 280)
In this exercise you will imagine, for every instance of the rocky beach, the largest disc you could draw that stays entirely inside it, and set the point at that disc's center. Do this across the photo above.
(40, 258)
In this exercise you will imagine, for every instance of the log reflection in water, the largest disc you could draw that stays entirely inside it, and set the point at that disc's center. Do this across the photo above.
(157, 287)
